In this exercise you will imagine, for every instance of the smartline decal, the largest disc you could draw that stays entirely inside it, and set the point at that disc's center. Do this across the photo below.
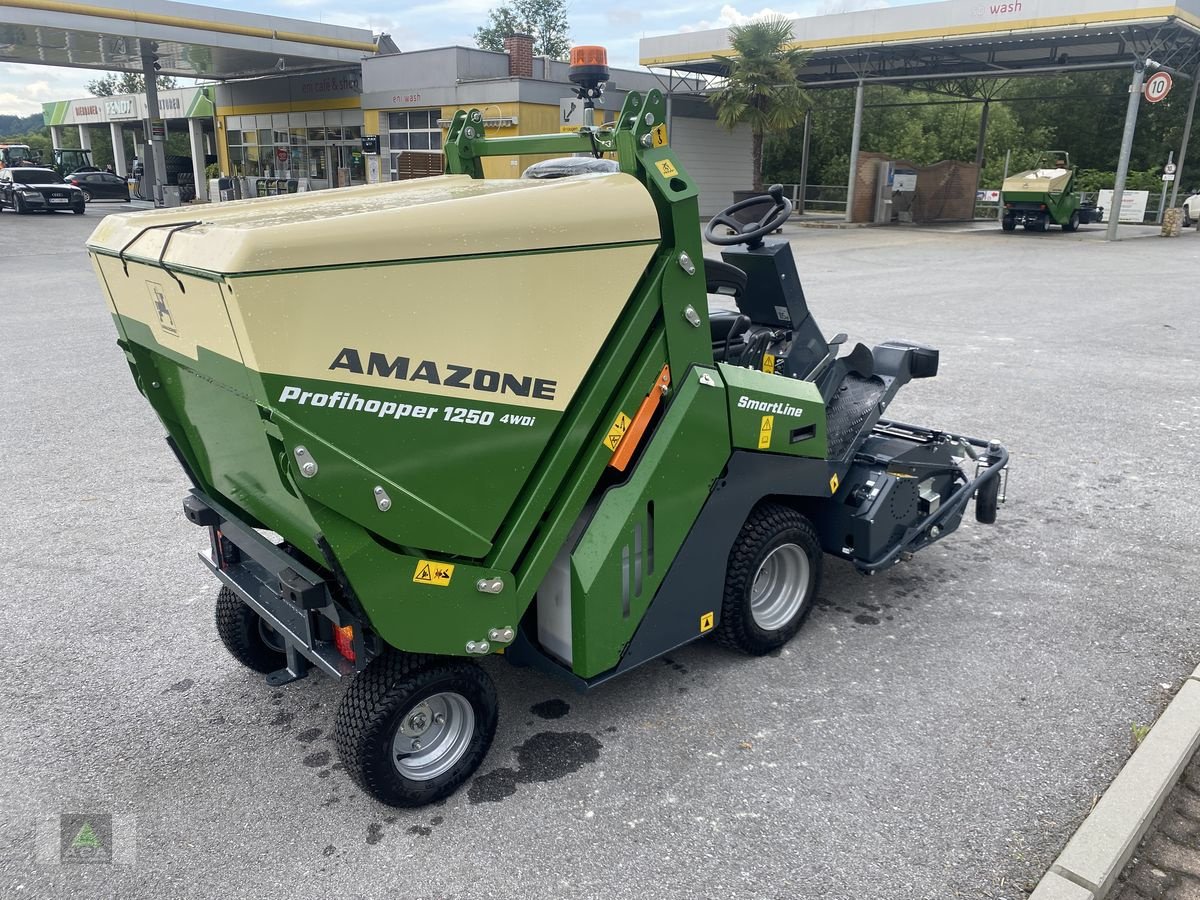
(469, 378)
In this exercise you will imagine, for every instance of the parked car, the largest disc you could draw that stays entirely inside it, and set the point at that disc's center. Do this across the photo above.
(1191, 210)
(26, 189)
(99, 185)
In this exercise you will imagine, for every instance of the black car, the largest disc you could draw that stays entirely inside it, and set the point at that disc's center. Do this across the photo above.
(25, 189)
(99, 185)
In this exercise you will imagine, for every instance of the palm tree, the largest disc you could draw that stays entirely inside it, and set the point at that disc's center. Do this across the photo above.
(763, 88)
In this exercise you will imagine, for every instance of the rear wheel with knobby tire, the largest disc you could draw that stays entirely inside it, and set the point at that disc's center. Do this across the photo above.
(249, 639)
(411, 729)
(771, 581)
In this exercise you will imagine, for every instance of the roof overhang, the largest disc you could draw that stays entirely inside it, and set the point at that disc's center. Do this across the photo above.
(961, 38)
(189, 40)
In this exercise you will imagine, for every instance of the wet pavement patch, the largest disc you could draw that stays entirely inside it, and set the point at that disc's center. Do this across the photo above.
(547, 756)
(374, 833)
(550, 709)
(318, 759)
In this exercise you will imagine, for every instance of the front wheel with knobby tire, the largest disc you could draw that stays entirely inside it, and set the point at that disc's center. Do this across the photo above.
(411, 729)
(771, 580)
(249, 639)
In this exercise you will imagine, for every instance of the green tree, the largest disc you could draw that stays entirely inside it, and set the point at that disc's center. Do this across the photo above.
(114, 83)
(546, 20)
(763, 89)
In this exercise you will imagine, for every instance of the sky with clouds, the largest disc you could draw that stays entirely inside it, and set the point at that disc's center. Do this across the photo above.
(617, 24)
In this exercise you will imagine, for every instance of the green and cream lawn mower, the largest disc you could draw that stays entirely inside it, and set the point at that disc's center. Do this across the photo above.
(431, 421)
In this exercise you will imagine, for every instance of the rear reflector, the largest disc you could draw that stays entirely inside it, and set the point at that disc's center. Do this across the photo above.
(343, 640)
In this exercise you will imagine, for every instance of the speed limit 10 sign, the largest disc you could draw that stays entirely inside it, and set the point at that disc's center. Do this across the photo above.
(1158, 86)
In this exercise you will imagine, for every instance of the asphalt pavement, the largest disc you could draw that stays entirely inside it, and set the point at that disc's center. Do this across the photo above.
(937, 731)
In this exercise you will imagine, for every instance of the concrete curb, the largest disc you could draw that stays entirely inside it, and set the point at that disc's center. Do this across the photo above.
(1097, 853)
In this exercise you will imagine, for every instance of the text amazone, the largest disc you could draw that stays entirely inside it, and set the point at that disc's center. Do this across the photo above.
(468, 378)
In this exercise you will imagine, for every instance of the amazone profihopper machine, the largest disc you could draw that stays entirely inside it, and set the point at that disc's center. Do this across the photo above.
(489, 417)
(1044, 194)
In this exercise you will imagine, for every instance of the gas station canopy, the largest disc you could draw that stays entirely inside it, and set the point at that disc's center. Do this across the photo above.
(187, 40)
(963, 38)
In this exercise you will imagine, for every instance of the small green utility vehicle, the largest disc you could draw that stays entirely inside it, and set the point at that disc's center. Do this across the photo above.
(1044, 194)
(432, 421)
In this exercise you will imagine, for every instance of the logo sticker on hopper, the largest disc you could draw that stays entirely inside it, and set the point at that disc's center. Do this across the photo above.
(667, 169)
(764, 432)
(165, 320)
(433, 573)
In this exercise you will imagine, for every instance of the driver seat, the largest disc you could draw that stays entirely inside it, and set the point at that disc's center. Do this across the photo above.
(725, 325)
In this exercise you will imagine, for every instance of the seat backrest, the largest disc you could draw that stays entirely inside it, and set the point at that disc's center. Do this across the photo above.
(774, 297)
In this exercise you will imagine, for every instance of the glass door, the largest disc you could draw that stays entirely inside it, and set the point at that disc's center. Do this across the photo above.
(351, 164)
(318, 167)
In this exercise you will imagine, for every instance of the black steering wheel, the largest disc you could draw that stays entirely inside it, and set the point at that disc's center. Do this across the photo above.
(750, 233)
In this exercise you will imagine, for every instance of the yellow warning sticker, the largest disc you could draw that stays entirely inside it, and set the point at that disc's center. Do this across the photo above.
(659, 135)
(833, 483)
(667, 168)
(437, 574)
(769, 363)
(764, 432)
(706, 622)
(617, 431)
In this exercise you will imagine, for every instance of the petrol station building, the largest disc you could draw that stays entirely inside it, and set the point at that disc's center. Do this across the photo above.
(185, 109)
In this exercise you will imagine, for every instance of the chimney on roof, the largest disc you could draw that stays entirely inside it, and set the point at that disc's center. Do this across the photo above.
(519, 48)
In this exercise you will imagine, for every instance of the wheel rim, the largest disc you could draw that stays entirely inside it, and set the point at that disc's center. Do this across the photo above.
(433, 735)
(270, 637)
(780, 587)
(87, 198)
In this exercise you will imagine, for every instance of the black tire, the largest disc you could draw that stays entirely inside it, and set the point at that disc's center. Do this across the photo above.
(18, 205)
(87, 197)
(385, 699)
(1042, 223)
(1072, 224)
(768, 533)
(79, 211)
(1187, 218)
(1008, 223)
(987, 502)
(246, 636)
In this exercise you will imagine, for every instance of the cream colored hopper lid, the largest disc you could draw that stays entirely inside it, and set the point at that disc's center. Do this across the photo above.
(444, 216)
(1043, 181)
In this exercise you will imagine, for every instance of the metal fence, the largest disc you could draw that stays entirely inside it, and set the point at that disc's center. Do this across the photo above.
(829, 199)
